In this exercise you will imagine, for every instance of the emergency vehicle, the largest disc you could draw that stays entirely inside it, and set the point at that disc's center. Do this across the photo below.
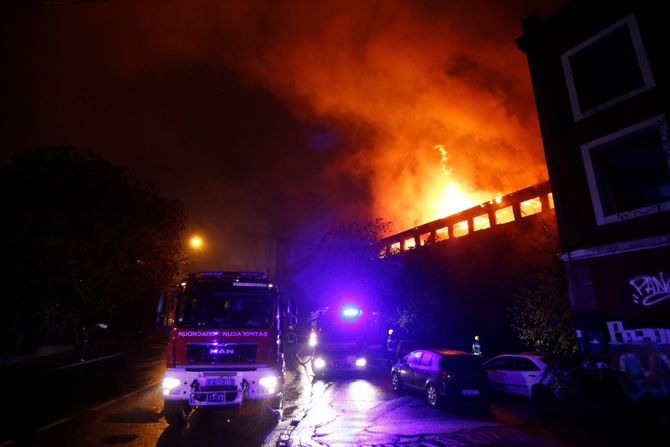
(225, 346)
(340, 340)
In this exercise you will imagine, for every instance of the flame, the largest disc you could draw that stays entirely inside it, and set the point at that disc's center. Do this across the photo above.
(448, 197)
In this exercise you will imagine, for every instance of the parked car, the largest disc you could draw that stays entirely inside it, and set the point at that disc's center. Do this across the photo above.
(444, 375)
(519, 373)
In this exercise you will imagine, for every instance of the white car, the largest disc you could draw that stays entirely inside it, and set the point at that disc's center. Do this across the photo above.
(518, 373)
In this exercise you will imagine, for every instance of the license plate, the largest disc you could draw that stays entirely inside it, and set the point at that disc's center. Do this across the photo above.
(220, 381)
(470, 392)
(216, 397)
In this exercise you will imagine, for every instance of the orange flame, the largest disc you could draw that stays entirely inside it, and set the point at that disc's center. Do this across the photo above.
(449, 197)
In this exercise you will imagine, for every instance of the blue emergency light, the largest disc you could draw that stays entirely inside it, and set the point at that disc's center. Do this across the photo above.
(351, 312)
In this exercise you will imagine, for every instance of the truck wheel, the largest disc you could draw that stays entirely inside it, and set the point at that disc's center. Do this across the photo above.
(277, 403)
(277, 406)
(176, 412)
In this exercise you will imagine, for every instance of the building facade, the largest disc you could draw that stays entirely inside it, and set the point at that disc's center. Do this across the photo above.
(600, 80)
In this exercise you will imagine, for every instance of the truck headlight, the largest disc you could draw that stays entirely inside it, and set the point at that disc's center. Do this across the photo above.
(361, 362)
(269, 383)
(169, 384)
(319, 363)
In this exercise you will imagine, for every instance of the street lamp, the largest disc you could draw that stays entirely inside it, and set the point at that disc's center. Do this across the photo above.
(196, 242)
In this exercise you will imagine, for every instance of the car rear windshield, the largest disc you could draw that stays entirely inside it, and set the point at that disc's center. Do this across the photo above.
(460, 362)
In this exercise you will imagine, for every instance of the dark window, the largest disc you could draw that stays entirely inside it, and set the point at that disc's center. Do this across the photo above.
(331, 327)
(522, 364)
(460, 362)
(630, 171)
(607, 68)
(500, 363)
(206, 306)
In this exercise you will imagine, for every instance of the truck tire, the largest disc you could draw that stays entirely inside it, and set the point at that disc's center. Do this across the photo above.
(277, 406)
(176, 412)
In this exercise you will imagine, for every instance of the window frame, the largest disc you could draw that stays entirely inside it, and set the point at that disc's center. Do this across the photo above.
(659, 122)
(525, 365)
(642, 61)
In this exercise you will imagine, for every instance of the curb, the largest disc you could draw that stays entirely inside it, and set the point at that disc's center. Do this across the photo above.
(87, 362)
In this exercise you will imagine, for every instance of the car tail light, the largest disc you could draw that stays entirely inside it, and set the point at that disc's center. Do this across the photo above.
(446, 376)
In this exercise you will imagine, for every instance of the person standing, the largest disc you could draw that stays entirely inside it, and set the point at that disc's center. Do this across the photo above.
(81, 339)
(81, 343)
(476, 347)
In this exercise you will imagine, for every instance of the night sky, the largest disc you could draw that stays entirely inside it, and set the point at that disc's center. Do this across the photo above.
(280, 118)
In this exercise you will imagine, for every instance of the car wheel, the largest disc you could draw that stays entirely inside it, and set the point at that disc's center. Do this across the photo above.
(395, 381)
(431, 395)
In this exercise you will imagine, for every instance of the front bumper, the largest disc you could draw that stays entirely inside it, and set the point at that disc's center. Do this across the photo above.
(343, 363)
(216, 387)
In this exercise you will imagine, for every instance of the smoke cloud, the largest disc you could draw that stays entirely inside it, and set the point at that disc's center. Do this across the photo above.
(276, 112)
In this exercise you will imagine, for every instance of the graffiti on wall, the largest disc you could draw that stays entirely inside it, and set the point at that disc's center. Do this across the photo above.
(641, 335)
(644, 369)
(642, 356)
(650, 290)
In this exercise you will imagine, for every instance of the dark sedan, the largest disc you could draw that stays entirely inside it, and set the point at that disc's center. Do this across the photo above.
(443, 375)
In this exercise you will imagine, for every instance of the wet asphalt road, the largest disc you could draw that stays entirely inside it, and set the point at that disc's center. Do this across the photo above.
(118, 402)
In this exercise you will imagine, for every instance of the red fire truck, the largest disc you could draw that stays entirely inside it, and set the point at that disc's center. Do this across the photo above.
(341, 340)
(225, 345)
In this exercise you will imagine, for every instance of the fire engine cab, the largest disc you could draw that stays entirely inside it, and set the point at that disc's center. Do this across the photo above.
(339, 339)
(225, 344)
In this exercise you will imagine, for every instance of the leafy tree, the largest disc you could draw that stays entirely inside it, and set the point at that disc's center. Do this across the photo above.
(83, 242)
(541, 313)
(419, 314)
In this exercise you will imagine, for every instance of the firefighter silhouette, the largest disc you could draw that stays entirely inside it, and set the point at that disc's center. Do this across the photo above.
(476, 347)
(81, 343)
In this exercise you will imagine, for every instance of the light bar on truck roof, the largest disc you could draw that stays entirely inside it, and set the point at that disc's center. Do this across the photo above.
(253, 284)
(258, 275)
(351, 312)
(232, 275)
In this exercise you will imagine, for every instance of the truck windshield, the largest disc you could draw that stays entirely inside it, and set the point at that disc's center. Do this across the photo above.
(211, 308)
(333, 330)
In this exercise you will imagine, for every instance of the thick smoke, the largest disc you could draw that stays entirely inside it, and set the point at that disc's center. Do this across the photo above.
(281, 112)
(409, 76)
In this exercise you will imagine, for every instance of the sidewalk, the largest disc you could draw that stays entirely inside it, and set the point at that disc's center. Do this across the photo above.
(97, 351)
